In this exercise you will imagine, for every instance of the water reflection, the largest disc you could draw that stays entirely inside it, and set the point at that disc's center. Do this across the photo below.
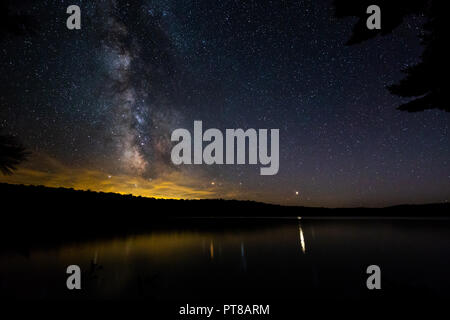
(243, 258)
(302, 238)
(211, 250)
(263, 261)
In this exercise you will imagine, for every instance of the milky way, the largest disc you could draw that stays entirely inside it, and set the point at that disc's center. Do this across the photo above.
(141, 116)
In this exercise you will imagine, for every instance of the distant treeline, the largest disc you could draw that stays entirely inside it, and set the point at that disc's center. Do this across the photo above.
(35, 215)
(38, 202)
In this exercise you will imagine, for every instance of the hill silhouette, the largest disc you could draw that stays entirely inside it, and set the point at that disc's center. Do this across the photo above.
(32, 214)
(40, 202)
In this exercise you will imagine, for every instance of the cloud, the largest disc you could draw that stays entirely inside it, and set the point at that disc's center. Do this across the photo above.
(45, 170)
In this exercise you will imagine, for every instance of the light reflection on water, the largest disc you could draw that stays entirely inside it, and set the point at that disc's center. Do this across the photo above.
(302, 238)
(269, 261)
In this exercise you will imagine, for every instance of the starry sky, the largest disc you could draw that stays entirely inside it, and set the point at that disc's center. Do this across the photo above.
(96, 106)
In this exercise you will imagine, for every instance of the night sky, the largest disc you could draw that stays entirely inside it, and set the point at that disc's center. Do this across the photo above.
(97, 106)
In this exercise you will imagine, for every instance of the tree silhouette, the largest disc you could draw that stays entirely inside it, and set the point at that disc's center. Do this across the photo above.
(13, 22)
(422, 81)
(12, 152)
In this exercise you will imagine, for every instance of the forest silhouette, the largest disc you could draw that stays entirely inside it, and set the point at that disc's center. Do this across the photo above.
(36, 215)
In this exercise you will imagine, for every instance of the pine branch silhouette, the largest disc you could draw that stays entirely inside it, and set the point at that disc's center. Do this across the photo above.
(423, 82)
(12, 153)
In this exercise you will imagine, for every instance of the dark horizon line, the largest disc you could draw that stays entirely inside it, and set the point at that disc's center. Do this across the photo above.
(396, 206)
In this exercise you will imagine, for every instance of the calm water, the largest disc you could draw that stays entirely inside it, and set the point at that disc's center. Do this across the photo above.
(274, 260)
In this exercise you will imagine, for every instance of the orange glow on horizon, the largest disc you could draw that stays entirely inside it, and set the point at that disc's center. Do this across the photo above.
(46, 171)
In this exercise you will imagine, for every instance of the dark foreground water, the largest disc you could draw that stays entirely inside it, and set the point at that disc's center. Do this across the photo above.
(265, 261)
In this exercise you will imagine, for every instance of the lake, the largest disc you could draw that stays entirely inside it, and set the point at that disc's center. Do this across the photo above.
(259, 259)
